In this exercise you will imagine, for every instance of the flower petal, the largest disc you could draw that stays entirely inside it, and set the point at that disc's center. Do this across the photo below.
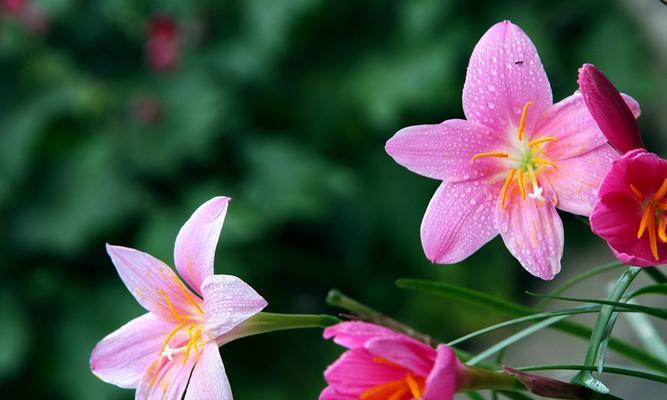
(356, 371)
(444, 151)
(122, 356)
(458, 221)
(609, 110)
(165, 379)
(533, 233)
(194, 250)
(354, 334)
(155, 286)
(228, 301)
(578, 179)
(570, 121)
(209, 380)
(505, 73)
(441, 383)
(410, 354)
(330, 394)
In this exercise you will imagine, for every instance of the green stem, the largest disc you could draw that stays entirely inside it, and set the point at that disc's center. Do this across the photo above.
(602, 327)
(474, 378)
(271, 322)
(656, 274)
(337, 299)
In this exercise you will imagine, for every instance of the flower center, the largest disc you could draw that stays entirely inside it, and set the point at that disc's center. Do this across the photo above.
(190, 324)
(409, 388)
(654, 217)
(526, 161)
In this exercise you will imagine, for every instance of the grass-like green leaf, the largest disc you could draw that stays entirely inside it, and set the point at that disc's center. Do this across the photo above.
(660, 288)
(607, 369)
(512, 309)
(653, 311)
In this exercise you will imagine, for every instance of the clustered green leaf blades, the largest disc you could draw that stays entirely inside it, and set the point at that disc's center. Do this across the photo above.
(504, 307)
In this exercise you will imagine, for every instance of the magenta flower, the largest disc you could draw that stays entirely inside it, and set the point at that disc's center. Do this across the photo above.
(514, 160)
(631, 214)
(175, 344)
(382, 364)
(163, 46)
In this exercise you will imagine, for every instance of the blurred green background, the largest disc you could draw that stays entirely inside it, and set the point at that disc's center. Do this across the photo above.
(283, 105)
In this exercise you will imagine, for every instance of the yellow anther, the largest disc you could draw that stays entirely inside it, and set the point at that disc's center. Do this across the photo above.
(176, 315)
(648, 214)
(638, 193)
(545, 139)
(660, 194)
(652, 233)
(662, 229)
(522, 121)
(544, 162)
(169, 336)
(519, 179)
(498, 154)
(503, 192)
(414, 387)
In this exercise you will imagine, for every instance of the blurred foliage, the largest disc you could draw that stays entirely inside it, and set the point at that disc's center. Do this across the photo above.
(284, 106)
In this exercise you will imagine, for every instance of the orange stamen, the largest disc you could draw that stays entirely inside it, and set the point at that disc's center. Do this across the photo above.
(414, 386)
(644, 222)
(503, 192)
(169, 336)
(176, 315)
(522, 121)
(399, 395)
(519, 178)
(498, 154)
(660, 194)
(383, 391)
(652, 237)
(546, 162)
(638, 193)
(662, 229)
(187, 295)
(545, 139)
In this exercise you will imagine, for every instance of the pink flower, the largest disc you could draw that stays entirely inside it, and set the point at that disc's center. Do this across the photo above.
(514, 160)
(610, 112)
(382, 364)
(163, 46)
(175, 344)
(631, 214)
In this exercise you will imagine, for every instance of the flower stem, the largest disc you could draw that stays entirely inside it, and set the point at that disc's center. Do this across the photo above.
(270, 322)
(337, 299)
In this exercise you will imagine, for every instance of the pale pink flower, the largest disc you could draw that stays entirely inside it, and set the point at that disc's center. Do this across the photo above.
(175, 344)
(513, 160)
(382, 364)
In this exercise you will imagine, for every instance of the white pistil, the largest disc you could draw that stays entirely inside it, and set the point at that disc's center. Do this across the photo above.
(537, 193)
(168, 352)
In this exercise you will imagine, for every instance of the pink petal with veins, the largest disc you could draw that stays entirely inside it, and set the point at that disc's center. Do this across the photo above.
(505, 73)
(441, 383)
(165, 380)
(209, 380)
(194, 251)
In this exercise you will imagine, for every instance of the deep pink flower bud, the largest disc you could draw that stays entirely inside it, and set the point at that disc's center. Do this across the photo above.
(12, 7)
(163, 43)
(610, 112)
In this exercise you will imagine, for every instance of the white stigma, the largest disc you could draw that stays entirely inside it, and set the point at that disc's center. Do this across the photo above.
(537, 193)
(168, 352)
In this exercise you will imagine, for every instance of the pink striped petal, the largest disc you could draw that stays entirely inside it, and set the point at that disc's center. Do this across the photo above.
(410, 354)
(356, 371)
(152, 283)
(533, 233)
(228, 301)
(441, 383)
(458, 221)
(354, 334)
(505, 73)
(330, 394)
(209, 380)
(122, 356)
(609, 110)
(194, 251)
(578, 179)
(444, 151)
(570, 121)
(165, 380)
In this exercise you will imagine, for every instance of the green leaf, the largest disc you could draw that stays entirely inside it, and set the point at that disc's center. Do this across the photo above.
(660, 288)
(647, 333)
(602, 331)
(608, 369)
(654, 311)
(504, 307)
(474, 396)
(656, 274)
(514, 338)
